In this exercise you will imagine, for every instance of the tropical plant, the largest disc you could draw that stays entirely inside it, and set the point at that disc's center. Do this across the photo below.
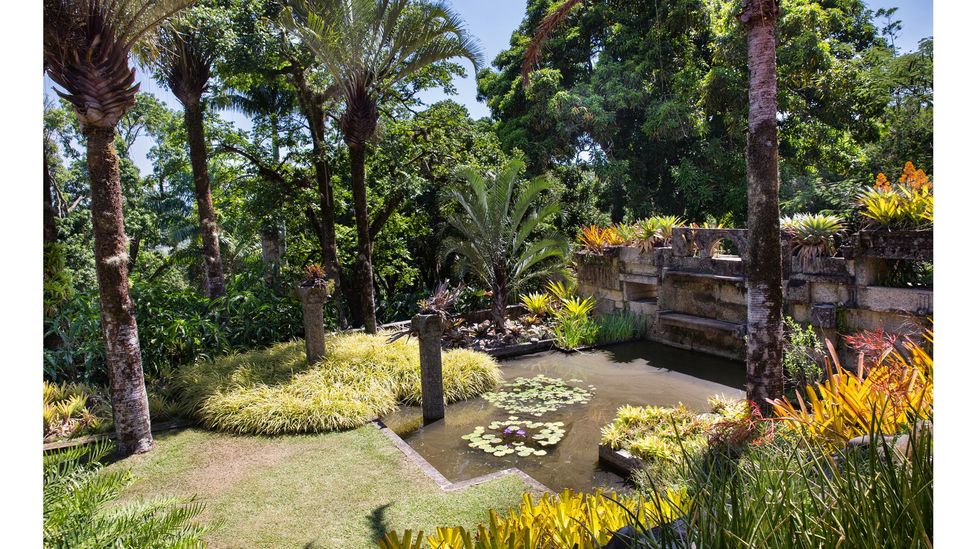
(813, 235)
(570, 519)
(86, 52)
(368, 47)
(885, 400)
(593, 239)
(81, 508)
(574, 327)
(72, 409)
(561, 291)
(803, 354)
(873, 345)
(791, 492)
(536, 303)
(908, 205)
(496, 230)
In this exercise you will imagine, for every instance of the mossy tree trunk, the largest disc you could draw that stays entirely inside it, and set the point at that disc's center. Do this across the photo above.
(130, 404)
(764, 267)
(209, 232)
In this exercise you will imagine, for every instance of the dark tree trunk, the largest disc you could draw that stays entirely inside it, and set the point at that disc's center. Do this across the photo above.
(499, 299)
(193, 115)
(50, 229)
(357, 161)
(764, 267)
(130, 406)
(311, 106)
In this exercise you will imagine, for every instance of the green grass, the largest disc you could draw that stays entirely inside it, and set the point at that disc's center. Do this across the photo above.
(342, 490)
(273, 391)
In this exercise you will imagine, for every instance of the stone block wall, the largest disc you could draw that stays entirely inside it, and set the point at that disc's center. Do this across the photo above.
(694, 298)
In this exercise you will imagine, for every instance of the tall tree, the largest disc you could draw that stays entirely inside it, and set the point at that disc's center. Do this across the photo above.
(183, 58)
(763, 265)
(368, 47)
(86, 52)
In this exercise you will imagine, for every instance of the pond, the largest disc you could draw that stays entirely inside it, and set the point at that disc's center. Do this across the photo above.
(586, 388)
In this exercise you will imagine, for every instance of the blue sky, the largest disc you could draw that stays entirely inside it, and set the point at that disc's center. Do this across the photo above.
(493, 21)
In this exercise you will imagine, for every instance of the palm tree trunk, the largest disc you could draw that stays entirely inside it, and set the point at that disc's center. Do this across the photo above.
(357, 161)
(193, 115)
(310, 104)
(499, 305)
(130, 405)
(764, 268)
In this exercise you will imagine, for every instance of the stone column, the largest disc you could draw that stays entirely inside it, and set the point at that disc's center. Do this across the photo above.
(312, 299)
(429, 330)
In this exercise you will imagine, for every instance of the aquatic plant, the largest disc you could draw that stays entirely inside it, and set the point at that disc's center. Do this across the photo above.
(619, 326)
(516, 436)
(537, 395)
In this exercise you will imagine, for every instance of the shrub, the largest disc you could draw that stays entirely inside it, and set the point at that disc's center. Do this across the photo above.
(536, 303)
(887, 399)
(80, 509)
(571, 519)
(803, 354)
(661, 436)
(175, 327)
(273, 391)
(619, 326)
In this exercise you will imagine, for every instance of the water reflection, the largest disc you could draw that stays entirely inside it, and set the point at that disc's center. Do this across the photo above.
(639, 373)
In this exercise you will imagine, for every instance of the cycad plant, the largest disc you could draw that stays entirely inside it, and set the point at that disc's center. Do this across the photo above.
(368, 47)
(86, 52)
(80, 508)
(181, 55)
(495, 229)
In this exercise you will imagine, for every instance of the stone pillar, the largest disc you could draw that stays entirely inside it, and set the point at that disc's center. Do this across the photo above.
(429, 330)
(312, 299)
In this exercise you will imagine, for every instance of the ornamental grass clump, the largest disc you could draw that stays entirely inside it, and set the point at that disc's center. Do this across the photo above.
(273, 391)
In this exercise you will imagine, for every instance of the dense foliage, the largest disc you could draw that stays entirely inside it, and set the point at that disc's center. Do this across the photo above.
(650, 98)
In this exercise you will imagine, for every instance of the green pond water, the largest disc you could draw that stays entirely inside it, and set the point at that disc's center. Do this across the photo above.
(559, 447)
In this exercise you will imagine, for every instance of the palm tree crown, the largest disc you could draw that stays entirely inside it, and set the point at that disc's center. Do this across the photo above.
(368, 46)
(86, 51)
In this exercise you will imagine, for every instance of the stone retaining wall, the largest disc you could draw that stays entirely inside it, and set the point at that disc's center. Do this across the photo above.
(695, 298)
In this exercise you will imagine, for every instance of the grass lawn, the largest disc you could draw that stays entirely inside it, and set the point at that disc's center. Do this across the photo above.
(341, 490)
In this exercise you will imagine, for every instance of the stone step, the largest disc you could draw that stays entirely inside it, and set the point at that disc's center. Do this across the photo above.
(669, 273)
(700, 323)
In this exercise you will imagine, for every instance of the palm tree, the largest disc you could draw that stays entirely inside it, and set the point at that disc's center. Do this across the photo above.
(494, 232)
(86, 52)
(183, 59)
(369, 46)
(764, 267)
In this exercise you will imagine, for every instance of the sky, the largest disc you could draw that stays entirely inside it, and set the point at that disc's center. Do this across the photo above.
(492, 22)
